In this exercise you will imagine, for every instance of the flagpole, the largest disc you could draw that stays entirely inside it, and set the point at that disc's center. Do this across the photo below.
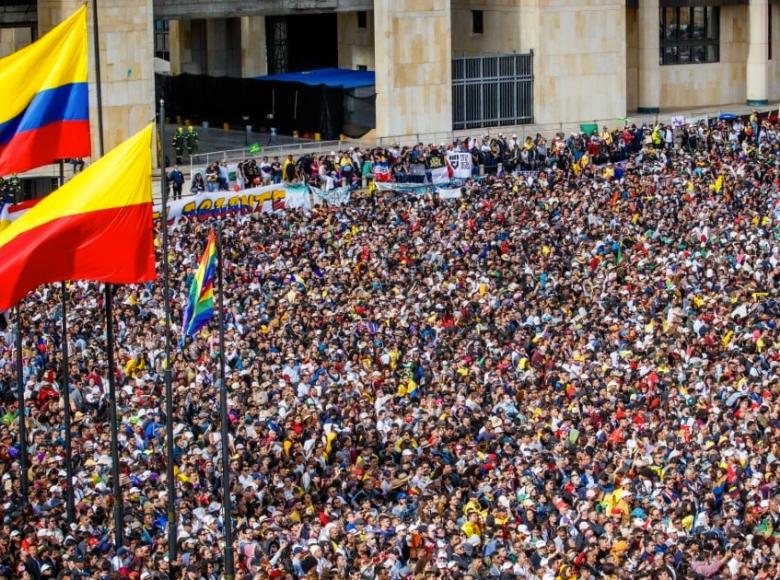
(227, 509)
(109, 307)
(22, 414)
(168, 362)
(69, 500)
(98, 87)
(119, 529)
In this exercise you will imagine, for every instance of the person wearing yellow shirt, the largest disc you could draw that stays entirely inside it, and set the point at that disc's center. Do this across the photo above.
(288, 169)
(135, 366)
(472, 527)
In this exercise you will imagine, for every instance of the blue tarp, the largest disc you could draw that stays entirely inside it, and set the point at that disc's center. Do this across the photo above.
(331, 77)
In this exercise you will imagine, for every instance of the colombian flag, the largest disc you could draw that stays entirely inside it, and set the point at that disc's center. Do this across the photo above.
(200, 308)
(44, 109)
(98, 226)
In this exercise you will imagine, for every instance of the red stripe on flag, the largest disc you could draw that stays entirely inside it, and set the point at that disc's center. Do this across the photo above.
(112, 245)
(30, 149)
(23, 206)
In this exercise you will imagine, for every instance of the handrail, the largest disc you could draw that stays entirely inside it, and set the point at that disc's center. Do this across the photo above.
(297, 148)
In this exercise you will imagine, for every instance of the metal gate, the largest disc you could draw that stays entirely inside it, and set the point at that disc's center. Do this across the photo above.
(488, 91)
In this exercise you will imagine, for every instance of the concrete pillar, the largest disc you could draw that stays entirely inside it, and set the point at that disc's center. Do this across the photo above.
(355, 44)
(7, 41)
(758, 37)
(216, 47)
(413, 67)
(13, 39)
(126, 63)
(648, 21)
(174, 44)
(188, 46)
(254, 60)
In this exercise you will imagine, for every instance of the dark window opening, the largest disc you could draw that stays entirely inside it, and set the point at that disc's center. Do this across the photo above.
(362, 67)
(690, 34)
(476, 21)
(362, 19)
(162, 40)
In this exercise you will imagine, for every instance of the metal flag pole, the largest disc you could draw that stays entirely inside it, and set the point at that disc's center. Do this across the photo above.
(116, 491)
(168, 362)
(22, 414)
(69, 499)
(109, 307)
(98, 88)
(226, 506)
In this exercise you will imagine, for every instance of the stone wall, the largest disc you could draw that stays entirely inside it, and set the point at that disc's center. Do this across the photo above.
(413, 67)
(580, 61)
(12, 39)
(508, 26)
(355, 45)
(720, 83)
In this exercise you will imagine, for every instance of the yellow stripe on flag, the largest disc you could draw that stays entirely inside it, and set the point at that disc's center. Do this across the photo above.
(58, 58)
(108, 181)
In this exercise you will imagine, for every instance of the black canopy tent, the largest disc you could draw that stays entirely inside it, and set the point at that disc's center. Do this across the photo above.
(287, 105)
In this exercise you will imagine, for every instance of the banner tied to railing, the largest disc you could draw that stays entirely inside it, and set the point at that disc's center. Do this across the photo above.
(276, 198)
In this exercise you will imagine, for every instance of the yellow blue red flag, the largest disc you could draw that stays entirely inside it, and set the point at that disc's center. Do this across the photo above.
(44, 109)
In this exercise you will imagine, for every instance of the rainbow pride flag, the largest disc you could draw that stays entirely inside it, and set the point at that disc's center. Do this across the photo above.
(44, 109)
(200, 307)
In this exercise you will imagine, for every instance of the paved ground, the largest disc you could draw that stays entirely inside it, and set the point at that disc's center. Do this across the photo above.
(217, 139)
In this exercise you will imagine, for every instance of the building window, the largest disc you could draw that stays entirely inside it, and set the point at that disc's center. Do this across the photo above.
(362, 17)
(476, 21)
(690, 34)
(162, 40)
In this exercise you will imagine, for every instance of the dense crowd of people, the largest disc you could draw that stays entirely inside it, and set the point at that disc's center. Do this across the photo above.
(571, 372)
(499, 155)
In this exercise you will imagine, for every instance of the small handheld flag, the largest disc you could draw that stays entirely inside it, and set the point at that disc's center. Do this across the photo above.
(200, 306)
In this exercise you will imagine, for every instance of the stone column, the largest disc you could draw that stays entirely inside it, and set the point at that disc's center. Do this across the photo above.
(174, 44)
(126, 63)
(413, 67)
(216, 47)
(648, 22)
(355, 45)
(758, 37)
(13, 39)
(254, 61)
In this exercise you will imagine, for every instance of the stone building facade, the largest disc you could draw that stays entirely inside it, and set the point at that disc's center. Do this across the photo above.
(592, 59)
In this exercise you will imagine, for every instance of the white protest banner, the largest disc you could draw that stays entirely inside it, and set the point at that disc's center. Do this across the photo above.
(438, 169)
(444, 191)
(267, 199)
(460, 161)
(338, 196)
(448, 193)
